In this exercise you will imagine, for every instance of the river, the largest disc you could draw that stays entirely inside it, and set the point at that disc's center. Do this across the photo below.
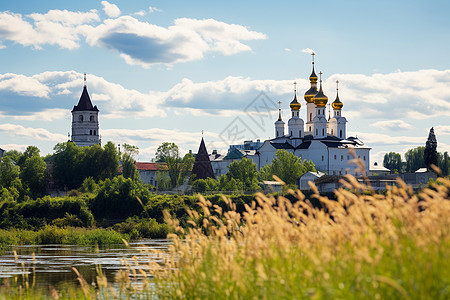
(52, 264)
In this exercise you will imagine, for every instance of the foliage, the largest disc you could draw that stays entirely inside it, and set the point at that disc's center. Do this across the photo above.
(33, 172)
(138, 228)
(88, 185)
(166, 150)
(287, 167)
(414, 159)
(119, 198)
(445, 164)
(72, 164)
(430, 156)
(393, 161)
(281, 250)
(9, 173)
(245, 173)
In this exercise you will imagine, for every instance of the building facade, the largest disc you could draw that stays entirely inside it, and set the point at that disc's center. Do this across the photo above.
(85, 125)
(321, 140)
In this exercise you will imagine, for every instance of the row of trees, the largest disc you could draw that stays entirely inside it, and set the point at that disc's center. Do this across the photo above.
(243, 174)
(414, 160)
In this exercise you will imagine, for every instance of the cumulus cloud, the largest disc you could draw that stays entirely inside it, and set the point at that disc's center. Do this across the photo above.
(51, 95)
(140, 13)
(374, 139)
(145, 44)
(110, 9)
(9, 147)
(56, 27)
(394, 125)
(34, 133)
(442, 129)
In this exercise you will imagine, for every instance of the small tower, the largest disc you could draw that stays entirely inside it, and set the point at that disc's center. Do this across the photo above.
(85, 121)
(295, 123)
(309, 95)
(320, 120)
(338, 122)
(202, 168)
(279, 124)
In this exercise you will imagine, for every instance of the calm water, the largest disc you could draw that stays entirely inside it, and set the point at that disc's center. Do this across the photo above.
(53, 263)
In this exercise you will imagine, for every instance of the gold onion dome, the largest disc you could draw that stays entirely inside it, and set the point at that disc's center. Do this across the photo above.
(320, 100)
(295, 105)
(337, 104)
(313, 90)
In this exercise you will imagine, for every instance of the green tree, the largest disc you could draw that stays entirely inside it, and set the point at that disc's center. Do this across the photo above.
(245, 173)
(414, 159)
(9, 172)
(177, 168)
(166, 150)
(33, 175)
(128, 162)
(445, 164)
(287, 167)
(393, 161)
(430, 156)
(109, 161)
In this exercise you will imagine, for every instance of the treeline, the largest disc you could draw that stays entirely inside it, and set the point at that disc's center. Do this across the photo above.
(242, 175)
(414, 160)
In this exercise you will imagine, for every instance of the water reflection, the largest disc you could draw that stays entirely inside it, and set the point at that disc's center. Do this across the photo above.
(52, 264)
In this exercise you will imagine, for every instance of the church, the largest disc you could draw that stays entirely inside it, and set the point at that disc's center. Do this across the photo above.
(85, 121)
(321, 140)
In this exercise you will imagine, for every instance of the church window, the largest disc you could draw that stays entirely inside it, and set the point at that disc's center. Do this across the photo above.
(90, 133)
(323, 131)
(340, 172)
(92, 118)
(364, 157)
(80, 118)
(95, 133)
(342, 157)
(340, 134)
(310, 118)
(317, 131)
(335, 157)
(331, 131)
(322, 158)
(299, 133)
(291, 132)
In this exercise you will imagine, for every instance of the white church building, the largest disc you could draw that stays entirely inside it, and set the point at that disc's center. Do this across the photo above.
(85, 128)
(322, 141)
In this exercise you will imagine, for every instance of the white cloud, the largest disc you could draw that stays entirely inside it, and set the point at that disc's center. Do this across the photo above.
(145, 44)
(308, 50)
(152, 9)
(110, 9)
(373, 139)
(23, 85)
(442, 130)
(140, 13)
(46, 115)
(57, 27)
(33, 133)
(9, 147)
(393, 125)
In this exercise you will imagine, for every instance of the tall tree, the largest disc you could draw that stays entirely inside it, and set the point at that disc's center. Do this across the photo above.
(32, 171)
(287, 167)
(128, 162)
(393, 161)
(178, 168)
(9, 172)
(430, 156)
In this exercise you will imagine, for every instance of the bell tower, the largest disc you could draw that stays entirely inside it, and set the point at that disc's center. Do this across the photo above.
(85, 129)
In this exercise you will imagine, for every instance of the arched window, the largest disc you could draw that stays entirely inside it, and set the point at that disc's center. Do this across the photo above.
(299, 133)
(331, 131)
(323, 131)
(340, 134)
(317, 131)
(310, 118)
(80, 118)
(90, 133)
(291, 132)
(92, 118)
(95, 133)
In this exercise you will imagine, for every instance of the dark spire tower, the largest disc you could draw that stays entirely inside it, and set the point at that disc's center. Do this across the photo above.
(202, 165)
(85, 129)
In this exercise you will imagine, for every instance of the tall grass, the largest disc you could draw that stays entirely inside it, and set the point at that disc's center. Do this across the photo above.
(393, 246)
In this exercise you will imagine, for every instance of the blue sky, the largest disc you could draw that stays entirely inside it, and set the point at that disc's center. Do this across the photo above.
(166, 70)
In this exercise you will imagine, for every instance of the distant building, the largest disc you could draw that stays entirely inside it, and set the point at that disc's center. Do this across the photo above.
(202, 166)
(247, 145)
(2, 152)
(85, 128)
(307, 177)
(380, 170)
(148, 171)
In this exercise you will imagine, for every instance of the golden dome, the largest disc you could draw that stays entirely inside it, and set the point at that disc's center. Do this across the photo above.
(295, 105)
(313, 77)
(320, 99)
(309, 95)
(337, 104)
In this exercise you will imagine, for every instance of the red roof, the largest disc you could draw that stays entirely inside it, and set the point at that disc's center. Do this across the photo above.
(143, 166)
